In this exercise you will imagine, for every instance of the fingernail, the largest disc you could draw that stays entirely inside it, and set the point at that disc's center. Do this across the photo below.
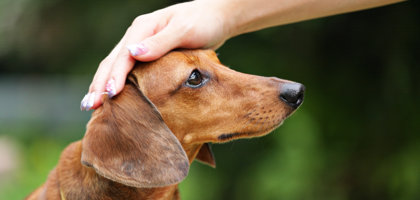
(83, 103)
(110, 88)
(137, 49)
(87, 101)
(90, 101)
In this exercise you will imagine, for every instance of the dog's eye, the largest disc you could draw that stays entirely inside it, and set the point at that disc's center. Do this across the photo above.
(195, 79)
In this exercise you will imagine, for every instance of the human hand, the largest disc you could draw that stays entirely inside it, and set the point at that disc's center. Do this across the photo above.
(202, 24)
(195, 24)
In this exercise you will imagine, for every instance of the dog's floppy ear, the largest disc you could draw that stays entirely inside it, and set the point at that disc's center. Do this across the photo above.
(128, 142)
(206, 156)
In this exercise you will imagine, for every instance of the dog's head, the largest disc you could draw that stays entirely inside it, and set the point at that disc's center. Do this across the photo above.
(186, 98)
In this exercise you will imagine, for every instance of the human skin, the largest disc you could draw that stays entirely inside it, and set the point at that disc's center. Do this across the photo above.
(203, 24)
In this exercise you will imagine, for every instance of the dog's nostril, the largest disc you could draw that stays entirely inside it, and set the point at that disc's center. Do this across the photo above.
(292, 94)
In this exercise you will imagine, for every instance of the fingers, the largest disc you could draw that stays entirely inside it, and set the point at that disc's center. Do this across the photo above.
(121, 67)
(157, 45)
(112, 72)
(124, 62)
(93, 99)
(150, 37)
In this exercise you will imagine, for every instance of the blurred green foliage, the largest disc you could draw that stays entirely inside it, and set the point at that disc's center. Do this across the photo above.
(356, 136)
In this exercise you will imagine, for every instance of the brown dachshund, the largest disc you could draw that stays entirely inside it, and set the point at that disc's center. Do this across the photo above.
(139, 144)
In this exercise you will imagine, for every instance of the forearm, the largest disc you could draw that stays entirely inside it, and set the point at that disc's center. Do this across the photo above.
(250, 15)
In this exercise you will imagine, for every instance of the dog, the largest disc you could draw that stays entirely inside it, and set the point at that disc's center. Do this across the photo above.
(140, 143)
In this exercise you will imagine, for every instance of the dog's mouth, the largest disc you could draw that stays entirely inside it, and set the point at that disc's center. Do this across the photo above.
(263, 130)
(259, 121)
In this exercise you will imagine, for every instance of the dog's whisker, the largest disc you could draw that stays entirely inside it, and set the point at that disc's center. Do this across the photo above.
(250, 120)
(246, 124)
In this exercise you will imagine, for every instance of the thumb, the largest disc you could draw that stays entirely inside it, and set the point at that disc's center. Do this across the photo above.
(155, 46)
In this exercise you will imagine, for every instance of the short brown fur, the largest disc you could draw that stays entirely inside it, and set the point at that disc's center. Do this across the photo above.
(139, 145)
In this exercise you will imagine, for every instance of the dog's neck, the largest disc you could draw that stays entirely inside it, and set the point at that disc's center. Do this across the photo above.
(191, 150)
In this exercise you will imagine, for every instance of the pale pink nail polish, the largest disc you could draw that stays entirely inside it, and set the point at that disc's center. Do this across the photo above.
(83, 102)
(90, 101)
(110, 88)
(137, 49)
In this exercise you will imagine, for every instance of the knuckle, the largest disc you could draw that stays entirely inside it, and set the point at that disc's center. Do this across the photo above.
(122, 55)
(184, 30)
(190, 29)
(116, 72)
(93, 87)
(139, 20)
(104, 62)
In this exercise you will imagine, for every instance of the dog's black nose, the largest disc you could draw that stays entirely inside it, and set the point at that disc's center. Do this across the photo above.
(292, 94)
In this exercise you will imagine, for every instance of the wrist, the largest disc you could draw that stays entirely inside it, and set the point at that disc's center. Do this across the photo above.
(224, 14)
(241, 16)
